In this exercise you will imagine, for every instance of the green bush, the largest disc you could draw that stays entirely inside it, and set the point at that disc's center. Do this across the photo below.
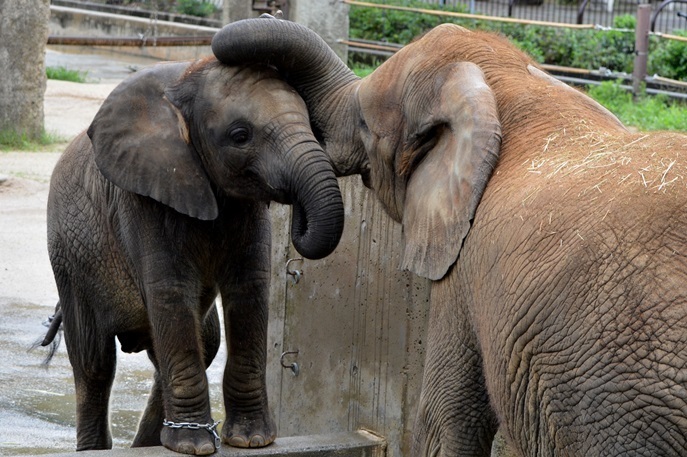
(544, 44)
(588, 49)
(668, 58)
(199, 8)
(395, 26)
(612, 50)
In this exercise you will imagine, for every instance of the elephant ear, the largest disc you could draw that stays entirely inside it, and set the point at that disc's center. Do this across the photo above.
(141, 144)
(444, 190)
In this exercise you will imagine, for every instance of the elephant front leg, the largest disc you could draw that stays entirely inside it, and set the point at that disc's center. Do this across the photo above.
(248, 419)
(150, 426)
(454, 417)
(177, 346)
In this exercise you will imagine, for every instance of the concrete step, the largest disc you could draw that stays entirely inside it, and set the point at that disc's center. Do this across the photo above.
(345, 444)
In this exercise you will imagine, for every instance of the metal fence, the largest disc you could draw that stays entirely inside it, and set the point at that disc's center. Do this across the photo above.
(671, 15)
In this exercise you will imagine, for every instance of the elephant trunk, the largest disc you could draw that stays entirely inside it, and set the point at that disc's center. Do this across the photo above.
(324, 82)
(318, 212)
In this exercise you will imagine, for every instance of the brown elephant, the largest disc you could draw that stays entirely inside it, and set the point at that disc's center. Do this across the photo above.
(556, 239)
(159, 207)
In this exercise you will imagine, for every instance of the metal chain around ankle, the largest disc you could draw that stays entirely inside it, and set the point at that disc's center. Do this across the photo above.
(211, 428)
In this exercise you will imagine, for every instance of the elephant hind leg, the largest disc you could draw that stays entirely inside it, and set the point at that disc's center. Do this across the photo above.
(94, 372)
(211, 334)
(92, 354)
(93, 387)
(150, 426)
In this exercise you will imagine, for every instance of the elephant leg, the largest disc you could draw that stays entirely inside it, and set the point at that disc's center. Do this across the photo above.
(245, 298)
(211, 332)
(176, 330)
(150, 426)
(454, 416)
(93, 359)
(93, 386)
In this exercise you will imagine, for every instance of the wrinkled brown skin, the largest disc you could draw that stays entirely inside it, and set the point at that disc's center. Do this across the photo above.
(141, 254)
(564, 319)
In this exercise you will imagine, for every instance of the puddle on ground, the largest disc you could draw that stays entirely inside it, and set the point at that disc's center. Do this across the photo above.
(37, 404)
(99, 64)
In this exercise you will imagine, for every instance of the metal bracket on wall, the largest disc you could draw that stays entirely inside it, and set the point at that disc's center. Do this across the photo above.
(295, 274)
(292, 366)
(272, 6)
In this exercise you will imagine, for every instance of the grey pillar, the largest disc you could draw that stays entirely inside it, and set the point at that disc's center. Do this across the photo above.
(641, 46)
(23, 34)
(328, 18)
(241, 9)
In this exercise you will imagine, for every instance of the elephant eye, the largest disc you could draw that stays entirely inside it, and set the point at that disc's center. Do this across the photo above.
(240, 134)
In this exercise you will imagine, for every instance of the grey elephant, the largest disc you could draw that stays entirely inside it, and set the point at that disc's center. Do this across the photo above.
(555, 238)
(162, 205)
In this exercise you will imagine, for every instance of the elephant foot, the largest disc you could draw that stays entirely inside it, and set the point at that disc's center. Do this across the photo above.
(248, 432)
(194, 440)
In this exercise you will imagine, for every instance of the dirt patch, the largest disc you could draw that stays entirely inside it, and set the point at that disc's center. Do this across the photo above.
(70, 107)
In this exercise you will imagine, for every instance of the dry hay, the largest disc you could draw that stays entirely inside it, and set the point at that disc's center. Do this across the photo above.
(653, 161)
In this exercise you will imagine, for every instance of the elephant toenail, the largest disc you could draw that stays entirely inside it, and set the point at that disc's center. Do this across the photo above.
(237, 441)
(186, 448)
(207, 449)
(257, 441)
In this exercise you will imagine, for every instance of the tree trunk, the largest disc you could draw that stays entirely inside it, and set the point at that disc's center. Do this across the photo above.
(23, 35)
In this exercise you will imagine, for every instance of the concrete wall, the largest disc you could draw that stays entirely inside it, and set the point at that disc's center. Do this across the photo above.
(241, 9)
(328, 19)
(357, 323)
(66, 21)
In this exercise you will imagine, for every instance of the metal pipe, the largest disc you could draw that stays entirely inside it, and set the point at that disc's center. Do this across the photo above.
(130, 41)
(663, 4)
(580, 11)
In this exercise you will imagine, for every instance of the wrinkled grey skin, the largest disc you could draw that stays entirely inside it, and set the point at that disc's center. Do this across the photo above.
(162, 205)
(559, 301)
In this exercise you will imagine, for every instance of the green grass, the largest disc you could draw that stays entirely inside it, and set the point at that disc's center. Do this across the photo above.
(13, 141)
(363, 70)
(65, 74)
(646, 112)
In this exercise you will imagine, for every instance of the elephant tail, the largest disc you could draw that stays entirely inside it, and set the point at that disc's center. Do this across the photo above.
(52, 338)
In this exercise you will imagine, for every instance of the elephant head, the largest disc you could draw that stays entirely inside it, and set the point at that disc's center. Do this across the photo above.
(188, 134)
(424, 135)
(425, 129)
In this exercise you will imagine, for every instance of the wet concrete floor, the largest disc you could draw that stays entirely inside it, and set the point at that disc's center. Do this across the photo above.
(37, 403)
